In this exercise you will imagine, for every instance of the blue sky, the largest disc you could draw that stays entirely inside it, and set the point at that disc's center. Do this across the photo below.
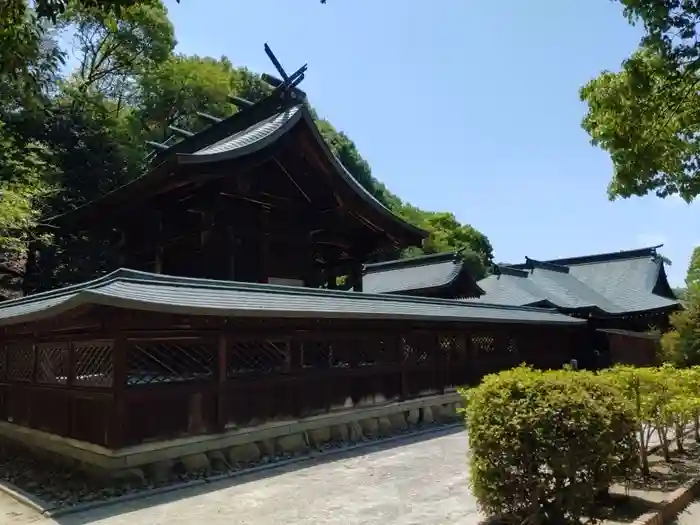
(465, 106)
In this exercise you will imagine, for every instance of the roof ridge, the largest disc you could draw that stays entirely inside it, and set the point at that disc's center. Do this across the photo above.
(412, 261)
(504, 269)
(149, 278)
(235, 123)
(649, 251)
(67, 290)
(545, 265)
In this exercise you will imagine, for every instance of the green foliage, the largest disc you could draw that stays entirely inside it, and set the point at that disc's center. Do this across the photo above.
(532, 458)
(681, 345)
(113, 49)
(23, 185)
(82, 133)
(647, 116)
(665, 398)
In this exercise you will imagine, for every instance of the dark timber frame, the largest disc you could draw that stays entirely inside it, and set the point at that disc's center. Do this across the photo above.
(136, 357)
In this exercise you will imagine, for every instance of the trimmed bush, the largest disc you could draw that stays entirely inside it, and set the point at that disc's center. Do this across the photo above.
(543, 445)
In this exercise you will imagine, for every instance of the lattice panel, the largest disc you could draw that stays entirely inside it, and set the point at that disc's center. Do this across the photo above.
(20, 362)
(355, 353)
(448, 345)
(172, 361)
(484, 343)
(93, 363)
(370, 352)
(317, 354)
(52, 363)
(257, 357)
(414, 350)
(512, 345)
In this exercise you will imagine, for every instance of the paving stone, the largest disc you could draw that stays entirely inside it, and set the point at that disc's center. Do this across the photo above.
(160, 471)
(398, 421)
(413, 416)
(356, 434)
(319, 436)
(370, 427)
(245, 453)
(292, 444)
(385, 429)
(195, 462)
(340, 433)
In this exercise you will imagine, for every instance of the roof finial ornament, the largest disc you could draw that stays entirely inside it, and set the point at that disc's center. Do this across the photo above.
(287, 86)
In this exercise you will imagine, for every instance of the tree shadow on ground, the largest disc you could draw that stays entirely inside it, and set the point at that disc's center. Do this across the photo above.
(669, 476)
(619, 508)
(625, 508)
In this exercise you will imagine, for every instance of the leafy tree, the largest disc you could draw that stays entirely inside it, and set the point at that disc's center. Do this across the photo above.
(647, 116)
(113, 49)
(681, 345)
(24, 187)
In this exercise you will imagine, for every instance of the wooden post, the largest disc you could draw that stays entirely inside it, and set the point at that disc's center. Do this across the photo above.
(356, 276)
(115, 437)
(222, 346)
(265, 246)
(332, 275)
(230, 249)
(206, 268)
(158, 245)
(70, 380)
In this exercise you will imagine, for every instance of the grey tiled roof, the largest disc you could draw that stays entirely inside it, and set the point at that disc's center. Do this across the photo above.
(616, 283)
(258, 133)
(161, 293)
(415, 274)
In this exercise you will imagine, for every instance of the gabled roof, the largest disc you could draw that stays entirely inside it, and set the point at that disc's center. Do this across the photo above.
(617, 283)
(161, 293)
(244, 133)
(418, 275)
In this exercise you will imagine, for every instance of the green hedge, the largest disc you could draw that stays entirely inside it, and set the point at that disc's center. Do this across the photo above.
(543, 445)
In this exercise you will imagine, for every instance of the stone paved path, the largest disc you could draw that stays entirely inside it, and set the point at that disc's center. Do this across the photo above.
(690, 516)
(421, 482)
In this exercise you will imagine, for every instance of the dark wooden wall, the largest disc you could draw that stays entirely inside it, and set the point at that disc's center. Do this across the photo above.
(120, 378)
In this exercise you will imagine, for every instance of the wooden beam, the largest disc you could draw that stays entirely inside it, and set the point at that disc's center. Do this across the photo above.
(291, 179)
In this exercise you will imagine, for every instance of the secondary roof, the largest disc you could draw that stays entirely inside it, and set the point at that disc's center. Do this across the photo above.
(428, 274)
(617, 283)
(161, 293)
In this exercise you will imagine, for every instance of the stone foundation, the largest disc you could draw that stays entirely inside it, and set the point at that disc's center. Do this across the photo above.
(240, 447)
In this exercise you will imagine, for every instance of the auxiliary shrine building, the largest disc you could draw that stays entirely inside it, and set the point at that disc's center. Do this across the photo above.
(220, 308)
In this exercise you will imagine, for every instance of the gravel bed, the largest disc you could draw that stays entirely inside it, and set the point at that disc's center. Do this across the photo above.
(61, 486)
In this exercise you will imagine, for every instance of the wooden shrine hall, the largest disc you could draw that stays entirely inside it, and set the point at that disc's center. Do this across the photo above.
(228, 315)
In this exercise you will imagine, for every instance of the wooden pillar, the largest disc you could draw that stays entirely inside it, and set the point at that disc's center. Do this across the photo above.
(222, 415)
(206, 246)
(356, 276)
(264, 246)
(116, 437)
(332, 275)
(230, 250)
(158, 245)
